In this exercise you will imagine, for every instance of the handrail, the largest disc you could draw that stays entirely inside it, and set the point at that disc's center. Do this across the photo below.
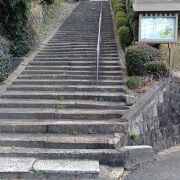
(98, 43)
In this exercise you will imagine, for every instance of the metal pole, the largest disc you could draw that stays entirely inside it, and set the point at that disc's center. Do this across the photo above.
(98, 44)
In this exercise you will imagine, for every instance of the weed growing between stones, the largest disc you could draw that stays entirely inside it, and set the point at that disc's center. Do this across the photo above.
(75, 132)
(134, 138)
(61, 106)
(92, 132)
(61, 98)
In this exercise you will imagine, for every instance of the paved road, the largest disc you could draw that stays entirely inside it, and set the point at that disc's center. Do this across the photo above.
(168, 168)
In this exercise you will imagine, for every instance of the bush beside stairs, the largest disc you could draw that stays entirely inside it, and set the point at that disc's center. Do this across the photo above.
(56, 111)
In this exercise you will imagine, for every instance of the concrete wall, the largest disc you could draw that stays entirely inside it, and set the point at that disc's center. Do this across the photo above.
(155, 119)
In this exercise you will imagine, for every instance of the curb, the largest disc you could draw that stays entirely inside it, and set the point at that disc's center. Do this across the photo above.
(135, 155)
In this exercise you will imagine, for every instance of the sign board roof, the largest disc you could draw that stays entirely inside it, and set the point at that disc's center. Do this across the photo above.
(156, 5)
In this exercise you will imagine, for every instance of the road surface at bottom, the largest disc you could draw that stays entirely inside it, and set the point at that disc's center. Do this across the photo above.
(166, 168)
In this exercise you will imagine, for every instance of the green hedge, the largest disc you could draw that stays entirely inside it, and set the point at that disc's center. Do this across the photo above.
(121, 22)
(118, 8)
(135, 60)
(144, 59)
(157, 69)
(124, 37)
(120, 14)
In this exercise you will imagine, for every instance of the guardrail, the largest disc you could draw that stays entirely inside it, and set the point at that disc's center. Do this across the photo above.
(99, 42)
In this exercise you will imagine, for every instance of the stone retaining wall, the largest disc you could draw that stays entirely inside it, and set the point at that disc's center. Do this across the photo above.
(155, 119)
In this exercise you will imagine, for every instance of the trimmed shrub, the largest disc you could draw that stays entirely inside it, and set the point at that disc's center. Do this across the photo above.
(121, 22)
(119, 5)
(120, 14)
(135, 60)
(118, 10)
(124, 36)
(113, 2)
(157, 69)
(152, 53)
(133, 82)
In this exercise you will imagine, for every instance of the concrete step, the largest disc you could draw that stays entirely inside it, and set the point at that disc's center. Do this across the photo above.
(72, 59)
(60, 141)
(79, 45)
(97, 96)
(67, 82)
(86, 88)
(79, 72)
(82, 55)
(70, 77)
(77, 48)
(40, 113)
(111, 157)
(48, 169)
(65, 126)
(74, 68)
(61, 104)
(74, 63)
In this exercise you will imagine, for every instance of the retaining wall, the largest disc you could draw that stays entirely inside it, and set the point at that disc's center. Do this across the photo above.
(155, 119)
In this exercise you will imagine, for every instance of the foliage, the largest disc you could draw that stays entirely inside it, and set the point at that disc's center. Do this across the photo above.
(4, 58)
(120, 14)
(144, 59)
(135, 138)
(14, 24)
(135, 60)
(133, 19)
(157, 69)
(133, 82)
(23, 42)
(152, 53)
(118, 9)
(118, 5)
(123, 21)
(124, 38)
(49, 1)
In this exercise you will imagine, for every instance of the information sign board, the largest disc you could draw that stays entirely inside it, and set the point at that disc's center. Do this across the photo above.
(158, 29)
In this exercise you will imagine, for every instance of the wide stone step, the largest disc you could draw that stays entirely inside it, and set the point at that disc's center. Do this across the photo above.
(90, 59)
(70, 77)
(65, 126)
(60, 141)
(34, 168)
(77, 48)
(64, 52)
(68, 82)
(82, 55)
(40, 113)
(111, 157)
(60, 104)
(59, 88)
(78, 45)
(74, 63)
(79, 72)
(63, 44)
(72, 68)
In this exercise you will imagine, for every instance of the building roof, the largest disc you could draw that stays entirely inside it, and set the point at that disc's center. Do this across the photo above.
(156, 5)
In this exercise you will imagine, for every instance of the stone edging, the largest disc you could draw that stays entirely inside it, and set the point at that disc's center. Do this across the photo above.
(143, 101)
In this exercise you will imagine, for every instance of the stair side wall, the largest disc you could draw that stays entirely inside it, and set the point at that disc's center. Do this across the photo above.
(155, 119)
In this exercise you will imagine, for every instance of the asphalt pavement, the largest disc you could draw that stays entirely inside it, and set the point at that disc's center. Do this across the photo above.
(166, 168)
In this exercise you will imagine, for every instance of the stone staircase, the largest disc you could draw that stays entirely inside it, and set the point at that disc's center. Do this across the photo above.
(56, 108)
